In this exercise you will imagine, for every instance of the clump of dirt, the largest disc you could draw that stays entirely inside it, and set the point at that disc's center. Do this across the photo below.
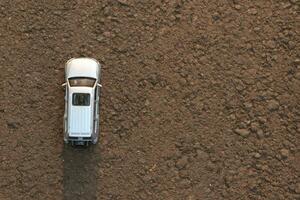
(200, 99)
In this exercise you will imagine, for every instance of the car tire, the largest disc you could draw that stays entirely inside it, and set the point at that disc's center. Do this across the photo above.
(95, 140)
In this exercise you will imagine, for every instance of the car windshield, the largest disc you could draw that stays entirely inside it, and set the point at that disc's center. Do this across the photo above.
(82, 82)
(81, 99)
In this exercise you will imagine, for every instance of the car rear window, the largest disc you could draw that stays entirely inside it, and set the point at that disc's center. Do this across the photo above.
(81, 99)
(82, 82)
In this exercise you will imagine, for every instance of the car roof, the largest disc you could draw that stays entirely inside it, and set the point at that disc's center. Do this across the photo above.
(83, 67)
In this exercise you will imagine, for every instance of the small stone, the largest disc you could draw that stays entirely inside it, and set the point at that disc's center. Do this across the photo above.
(243, 125)
(100, 39)
(142, 161)
(198, 46)
(154, 79)
(257, 155)
(262, 120)
(237, 6)
(242, 132)
(123, 2)
(12, 125)
(146, 178)
(228, 181)
(57, 12)
(147, 102)
(202, 155)
(267, 134)
(178, 16)
(297, 75)
(271, 44)
(252, 11)
(292, 44)
(185, 183)
(254, 127)
(273, 105)
(216, 16)
(286, 5)
(248, 105)
(297, 61)
(297, 188)
(232, 116)
(256, 29)
(182, 81)
(197, 145)
(284, 153)
(107, 34)
(260, 133)
(172, 18)
(182, 162)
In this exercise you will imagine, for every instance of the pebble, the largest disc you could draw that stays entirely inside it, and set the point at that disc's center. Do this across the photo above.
(257, 155)
(12, 125)
(147, 102)
(297, 75)
(123, 2)
(292, 44)
(242, 132)
(256, 29)
(202, 155)
(248, 105)
(100, 39)
(146, 178)
(287, 5)
(182, 162)
(197, 145)
(297, 188)
(185, 183)
(254, 127)
(273, 105)
(238, 7)
(107, 34)
(262, 120)
(252, 11)
(243, 125)
(271, 44)
(142, 161)
(216, 16)
(232, 116)
(267, 134)
(297, 61)
(260, 133)
(284, 153)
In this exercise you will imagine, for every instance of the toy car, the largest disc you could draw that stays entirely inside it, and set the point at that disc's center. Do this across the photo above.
(82, 91)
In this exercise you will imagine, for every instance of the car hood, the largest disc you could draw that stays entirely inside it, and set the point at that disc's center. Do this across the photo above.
(82, 67)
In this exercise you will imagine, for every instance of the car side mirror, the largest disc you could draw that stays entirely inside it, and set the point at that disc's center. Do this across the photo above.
(64, 84)
(98, 84)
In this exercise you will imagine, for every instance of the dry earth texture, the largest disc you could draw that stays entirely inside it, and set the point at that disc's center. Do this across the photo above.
(200, 99)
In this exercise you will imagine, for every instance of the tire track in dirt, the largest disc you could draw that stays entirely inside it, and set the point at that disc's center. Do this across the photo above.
(80, 172)
(80, 164)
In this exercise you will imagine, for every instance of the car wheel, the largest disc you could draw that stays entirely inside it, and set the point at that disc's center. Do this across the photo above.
(95, 140)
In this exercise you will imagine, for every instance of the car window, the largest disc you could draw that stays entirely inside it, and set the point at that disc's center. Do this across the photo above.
(81, 99)
(82, 82)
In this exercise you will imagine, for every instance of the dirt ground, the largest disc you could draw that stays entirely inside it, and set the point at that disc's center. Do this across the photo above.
(200, 99)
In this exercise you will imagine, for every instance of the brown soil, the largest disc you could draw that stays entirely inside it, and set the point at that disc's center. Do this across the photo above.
(200, 99)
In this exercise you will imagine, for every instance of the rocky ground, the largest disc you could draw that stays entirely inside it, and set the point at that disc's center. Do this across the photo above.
(200, 99)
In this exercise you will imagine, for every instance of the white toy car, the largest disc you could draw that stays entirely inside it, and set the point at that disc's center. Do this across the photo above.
(82, 90)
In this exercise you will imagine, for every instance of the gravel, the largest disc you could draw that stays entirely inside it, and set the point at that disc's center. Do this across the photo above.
(242, 132)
